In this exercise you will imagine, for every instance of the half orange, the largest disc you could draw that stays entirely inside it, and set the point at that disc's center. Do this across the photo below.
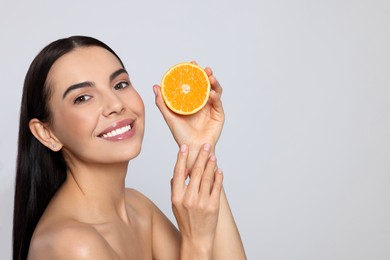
(185, 88)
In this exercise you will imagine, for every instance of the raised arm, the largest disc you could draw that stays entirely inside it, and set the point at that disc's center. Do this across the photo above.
(194, 131)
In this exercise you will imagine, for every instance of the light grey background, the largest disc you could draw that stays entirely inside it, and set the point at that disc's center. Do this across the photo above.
(306, 144)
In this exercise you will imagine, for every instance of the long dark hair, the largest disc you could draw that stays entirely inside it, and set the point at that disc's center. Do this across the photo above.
(39, 171)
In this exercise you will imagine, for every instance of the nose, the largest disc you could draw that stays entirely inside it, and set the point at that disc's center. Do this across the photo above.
(112, 104)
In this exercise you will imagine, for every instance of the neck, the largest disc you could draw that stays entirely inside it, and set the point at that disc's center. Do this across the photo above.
(100, 189)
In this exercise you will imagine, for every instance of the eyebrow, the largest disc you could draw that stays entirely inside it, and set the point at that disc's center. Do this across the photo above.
(117, 73)
(91, 84)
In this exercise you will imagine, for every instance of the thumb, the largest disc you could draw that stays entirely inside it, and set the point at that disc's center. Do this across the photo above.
(165, 111)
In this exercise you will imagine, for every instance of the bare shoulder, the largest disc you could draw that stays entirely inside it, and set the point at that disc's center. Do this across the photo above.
(71, 240)
(139, 200)
(130, 193)
(165, 236)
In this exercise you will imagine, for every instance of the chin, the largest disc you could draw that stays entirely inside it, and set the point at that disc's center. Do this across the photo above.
(132, 153)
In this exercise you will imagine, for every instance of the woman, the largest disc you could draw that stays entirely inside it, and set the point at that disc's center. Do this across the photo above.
(81, 122)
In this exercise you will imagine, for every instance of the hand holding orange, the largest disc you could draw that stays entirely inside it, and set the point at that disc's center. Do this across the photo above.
(206, 124)
(185, 88)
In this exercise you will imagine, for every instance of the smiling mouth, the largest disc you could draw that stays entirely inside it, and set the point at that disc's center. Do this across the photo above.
(116, 132)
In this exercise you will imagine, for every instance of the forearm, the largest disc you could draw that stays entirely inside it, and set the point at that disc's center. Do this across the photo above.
(227, 242)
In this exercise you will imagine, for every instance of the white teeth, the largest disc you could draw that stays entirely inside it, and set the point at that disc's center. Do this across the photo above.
(117, 131)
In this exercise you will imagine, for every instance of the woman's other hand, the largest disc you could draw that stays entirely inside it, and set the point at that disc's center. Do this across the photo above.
(196, 203)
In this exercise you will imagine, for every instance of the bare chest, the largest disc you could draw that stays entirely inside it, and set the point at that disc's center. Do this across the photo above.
(129, 241)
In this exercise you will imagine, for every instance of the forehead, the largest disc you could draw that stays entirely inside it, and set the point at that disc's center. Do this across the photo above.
(83, 63)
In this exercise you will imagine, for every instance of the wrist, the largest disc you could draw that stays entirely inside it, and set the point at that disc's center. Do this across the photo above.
(193, 151)
(191, 249)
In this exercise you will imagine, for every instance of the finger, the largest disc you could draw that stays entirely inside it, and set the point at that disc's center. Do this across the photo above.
(217, 186)
(180, 172)
(203, 156)
(215, 85)
(165, 111)
(216, 101)
(208, 71)
(198, 169)
(158, 98)
(208, 178)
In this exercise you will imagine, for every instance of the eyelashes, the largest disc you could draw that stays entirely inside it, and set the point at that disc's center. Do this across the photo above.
(81, 99)
(122, 85)
(85, 97)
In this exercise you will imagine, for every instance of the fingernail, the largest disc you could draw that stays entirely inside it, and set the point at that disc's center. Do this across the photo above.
(206, 147)
(213, 158)
(155, 90)
(183, 148)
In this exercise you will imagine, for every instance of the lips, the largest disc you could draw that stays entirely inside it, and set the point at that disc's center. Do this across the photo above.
(119, 131)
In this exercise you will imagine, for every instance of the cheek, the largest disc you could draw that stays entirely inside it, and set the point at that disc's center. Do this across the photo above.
(138, 104)
(71, 125)
(141, 108)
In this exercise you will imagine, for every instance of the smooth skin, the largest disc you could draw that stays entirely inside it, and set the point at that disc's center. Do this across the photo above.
(205, 127)
(93, 215)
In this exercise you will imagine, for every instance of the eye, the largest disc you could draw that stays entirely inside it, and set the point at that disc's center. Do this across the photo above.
(121, 85)
(82, 99)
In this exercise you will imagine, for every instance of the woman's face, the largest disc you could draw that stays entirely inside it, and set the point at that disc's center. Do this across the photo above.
(97, 115)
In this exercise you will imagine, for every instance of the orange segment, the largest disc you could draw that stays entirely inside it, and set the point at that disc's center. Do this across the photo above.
(185, 88)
